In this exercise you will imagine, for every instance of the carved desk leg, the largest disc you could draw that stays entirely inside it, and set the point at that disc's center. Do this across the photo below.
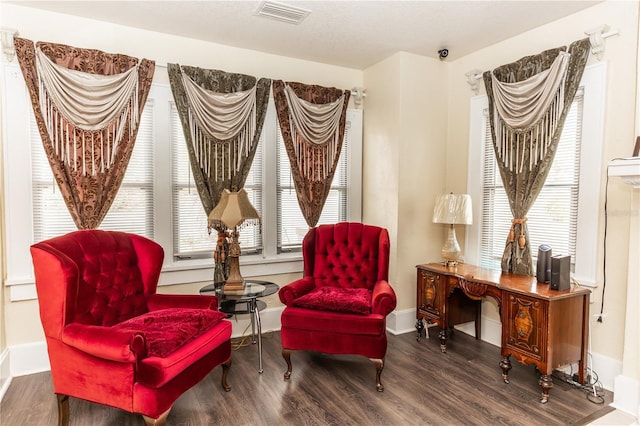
(443, 340)
(505, 364)
(546, 383)
(419, 328)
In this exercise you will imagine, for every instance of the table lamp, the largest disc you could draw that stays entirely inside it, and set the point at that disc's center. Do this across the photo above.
(453, 210)
(234, 210)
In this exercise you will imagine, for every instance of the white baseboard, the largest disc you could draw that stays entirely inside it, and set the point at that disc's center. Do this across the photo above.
(5, 372)
(490, 330)
(29, 358)
(401, 322)
(626, 396)
(606, 369)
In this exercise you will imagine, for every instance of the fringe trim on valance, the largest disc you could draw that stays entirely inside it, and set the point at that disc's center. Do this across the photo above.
(222, 128)
(527, 114)
(511, 143)
(227, 155)
(88, 110)
(315, 132)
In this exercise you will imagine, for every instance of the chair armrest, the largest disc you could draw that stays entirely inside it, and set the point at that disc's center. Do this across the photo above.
(105, 342)
(292, 291)
(194, 301)
(383, 299)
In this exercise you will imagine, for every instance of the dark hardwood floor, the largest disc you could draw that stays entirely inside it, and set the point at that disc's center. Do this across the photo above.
(422, 386)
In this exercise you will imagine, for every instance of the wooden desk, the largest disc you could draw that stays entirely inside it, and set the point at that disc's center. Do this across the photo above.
(540, 326)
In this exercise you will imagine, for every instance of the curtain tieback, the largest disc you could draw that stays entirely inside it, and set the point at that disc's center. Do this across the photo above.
(512, 232)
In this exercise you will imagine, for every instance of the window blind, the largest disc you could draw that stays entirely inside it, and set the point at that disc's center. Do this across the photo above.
(292, 226)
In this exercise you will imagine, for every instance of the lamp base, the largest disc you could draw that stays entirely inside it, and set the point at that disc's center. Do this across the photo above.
(451, 248)
(233, 286)
(234, 281)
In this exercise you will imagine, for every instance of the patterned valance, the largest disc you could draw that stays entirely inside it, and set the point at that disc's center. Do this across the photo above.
(312, 121)
(222, 115)
(87, 104)
(529, 109)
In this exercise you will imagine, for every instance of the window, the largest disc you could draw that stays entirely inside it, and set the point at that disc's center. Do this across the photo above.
(292, 226)
(564, 215)
(191, 238)
(553, 218)
(158, 197)
(132, 209)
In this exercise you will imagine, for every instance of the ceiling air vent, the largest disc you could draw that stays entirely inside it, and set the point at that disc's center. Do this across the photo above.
(282, 12)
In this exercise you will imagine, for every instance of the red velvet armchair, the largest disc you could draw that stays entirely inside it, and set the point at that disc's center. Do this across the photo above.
(111, 339)
(341, 303)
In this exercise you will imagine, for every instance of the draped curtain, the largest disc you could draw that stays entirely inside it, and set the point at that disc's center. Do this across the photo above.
(222, 115)
(87, 105)
(528, 103)
(312, 121)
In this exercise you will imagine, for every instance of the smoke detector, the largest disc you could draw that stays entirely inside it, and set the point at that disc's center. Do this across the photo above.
(282, 12)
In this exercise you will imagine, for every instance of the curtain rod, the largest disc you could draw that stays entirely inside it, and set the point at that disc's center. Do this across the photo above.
(7, 34)
(596, 39)
(358, 93)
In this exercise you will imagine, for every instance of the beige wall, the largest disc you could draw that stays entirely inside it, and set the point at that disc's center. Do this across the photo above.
(23, 324)
(621, 56)
(404, 160)
(380, 166)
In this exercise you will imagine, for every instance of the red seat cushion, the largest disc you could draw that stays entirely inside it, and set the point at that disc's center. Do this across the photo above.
(332, 322)
(166, 330)
(351, 300)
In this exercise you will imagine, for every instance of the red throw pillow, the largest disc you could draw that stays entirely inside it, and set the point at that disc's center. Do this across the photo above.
(351, 300)
(166, 330)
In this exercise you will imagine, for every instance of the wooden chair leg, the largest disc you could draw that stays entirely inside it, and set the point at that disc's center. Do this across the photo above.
(149, 421)
(379, 363)
(225, 370)
(63, 409)
(286, 354)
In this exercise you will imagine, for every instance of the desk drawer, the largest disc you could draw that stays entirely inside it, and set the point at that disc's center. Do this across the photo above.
(524, 325)
(430, 293)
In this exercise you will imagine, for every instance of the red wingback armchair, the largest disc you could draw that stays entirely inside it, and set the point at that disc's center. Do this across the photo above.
(341, 303)
(111, 339)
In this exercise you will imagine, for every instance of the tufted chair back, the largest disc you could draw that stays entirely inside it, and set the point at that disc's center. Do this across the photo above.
(105, 280)
(347, 255)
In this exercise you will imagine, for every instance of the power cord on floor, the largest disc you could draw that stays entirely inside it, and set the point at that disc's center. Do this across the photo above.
(593, 389)
(245, 339)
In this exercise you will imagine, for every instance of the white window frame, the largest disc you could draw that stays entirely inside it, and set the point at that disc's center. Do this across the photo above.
(16, 110)
(587, 239)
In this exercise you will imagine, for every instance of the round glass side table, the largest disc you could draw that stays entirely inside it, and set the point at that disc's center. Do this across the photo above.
(236, 302)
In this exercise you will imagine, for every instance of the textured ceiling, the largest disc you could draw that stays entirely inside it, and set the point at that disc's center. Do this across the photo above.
(354, 34)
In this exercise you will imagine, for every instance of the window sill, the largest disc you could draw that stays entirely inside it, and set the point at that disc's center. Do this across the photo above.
(200, 270)
(185, 272)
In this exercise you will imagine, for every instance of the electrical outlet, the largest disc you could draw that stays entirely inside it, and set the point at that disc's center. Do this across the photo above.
(600, 317)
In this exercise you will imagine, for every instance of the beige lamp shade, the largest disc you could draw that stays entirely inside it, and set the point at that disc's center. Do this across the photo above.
(453, 209)
(233, 209)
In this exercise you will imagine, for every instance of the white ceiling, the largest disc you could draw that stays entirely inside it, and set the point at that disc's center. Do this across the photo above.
(354, 34)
